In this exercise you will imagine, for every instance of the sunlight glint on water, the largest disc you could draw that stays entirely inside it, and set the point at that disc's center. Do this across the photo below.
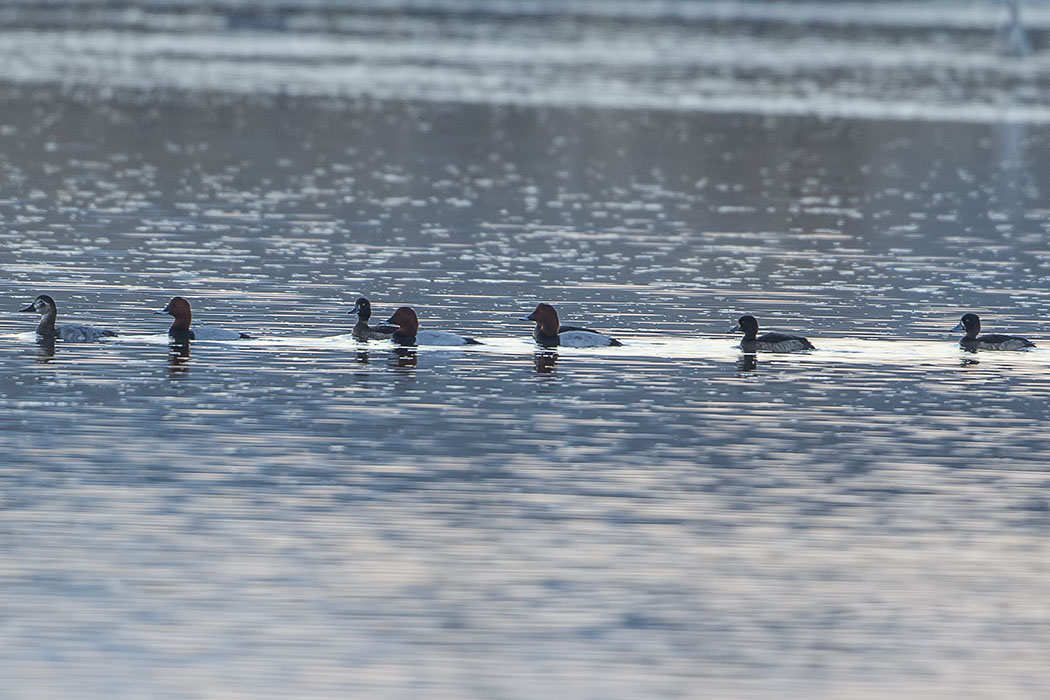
(300, 515)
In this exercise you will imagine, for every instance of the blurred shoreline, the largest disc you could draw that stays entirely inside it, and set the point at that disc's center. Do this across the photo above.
(894, 61)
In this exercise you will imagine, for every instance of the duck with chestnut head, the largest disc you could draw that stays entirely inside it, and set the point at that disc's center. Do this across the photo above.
(180, 329)
(550, 333)
(408, 333)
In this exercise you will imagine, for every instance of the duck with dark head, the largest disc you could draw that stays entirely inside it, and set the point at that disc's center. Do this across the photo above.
(767, 342)
(971, 324)
(363, 331)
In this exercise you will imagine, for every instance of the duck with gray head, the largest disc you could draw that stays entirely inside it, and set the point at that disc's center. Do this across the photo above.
(71, 333)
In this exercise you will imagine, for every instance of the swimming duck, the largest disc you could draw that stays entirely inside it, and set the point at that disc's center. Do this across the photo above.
(550, 333)
(408, 332)
(767, 342)
(971, 323)
(180, 328)
(362, 331)
(45, 306)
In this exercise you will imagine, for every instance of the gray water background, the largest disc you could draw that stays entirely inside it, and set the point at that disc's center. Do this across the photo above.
(300, 515)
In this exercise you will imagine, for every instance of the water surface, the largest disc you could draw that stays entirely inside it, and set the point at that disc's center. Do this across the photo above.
(301, 515)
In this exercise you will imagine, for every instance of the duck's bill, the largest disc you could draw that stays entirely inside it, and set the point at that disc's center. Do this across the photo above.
(734, 329)
(958, 327)
(161, 312)
(527, 318)
(355, 310)
(386, 328)
(28, 308)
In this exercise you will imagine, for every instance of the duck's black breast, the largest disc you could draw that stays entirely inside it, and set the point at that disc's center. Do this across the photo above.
(403, 338)
(180, 334)
(548, 341)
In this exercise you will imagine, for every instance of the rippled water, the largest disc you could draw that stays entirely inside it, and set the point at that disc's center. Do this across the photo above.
(301, 515)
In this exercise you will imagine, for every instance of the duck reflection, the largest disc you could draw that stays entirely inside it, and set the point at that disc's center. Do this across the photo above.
(362, 357)
(969, 361)
(45, 348)
(178, 357)
(404, 357)
(544, 361)
(747, 363)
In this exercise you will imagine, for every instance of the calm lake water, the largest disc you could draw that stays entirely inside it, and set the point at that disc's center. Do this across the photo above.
(300, 515)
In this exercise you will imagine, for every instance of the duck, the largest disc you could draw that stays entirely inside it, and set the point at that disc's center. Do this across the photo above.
(767, 342)
(971, 323)
(362, 331)
(73, 333)
(180, 328)
(407, 331)
(550, 333)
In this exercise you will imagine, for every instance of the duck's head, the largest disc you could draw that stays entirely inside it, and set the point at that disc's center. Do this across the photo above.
(546, 318)
(363, 309)
(747, 324)
(971, 323)
(405, 318)
(43, 305)
(180, 309)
